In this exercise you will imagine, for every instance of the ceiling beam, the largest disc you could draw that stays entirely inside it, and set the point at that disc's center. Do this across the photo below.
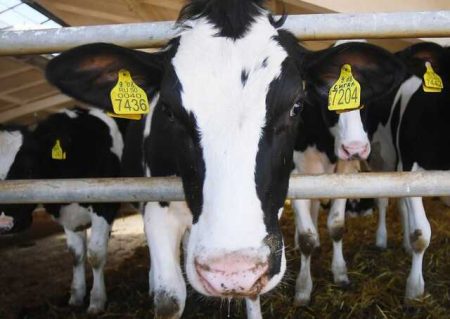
(95, 14)
(53, 101)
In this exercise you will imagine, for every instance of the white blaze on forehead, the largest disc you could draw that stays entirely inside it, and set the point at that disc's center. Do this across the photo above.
(230, 118)
(350, 128)
(10, 143)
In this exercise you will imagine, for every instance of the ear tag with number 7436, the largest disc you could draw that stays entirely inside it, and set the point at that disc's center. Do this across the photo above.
(127, 98)
(345, 94)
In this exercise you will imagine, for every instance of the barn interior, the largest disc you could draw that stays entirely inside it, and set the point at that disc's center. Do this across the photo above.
(26, 98)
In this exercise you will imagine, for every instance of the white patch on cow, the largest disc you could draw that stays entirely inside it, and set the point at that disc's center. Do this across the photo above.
(149, 116)
(74, 216)
(230, 117)
(97, 252)
(349, 129)
(70, 113)
(114, 132)
(10, 143)
(405, 92)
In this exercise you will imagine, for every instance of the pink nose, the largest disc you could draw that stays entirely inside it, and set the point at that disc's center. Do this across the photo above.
(354, 150)
(232, 275)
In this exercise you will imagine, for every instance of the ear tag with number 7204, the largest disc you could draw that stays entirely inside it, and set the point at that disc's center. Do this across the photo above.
(345, 94)
(127, 98)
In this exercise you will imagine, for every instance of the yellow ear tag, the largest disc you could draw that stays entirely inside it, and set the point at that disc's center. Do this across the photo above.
(345, 94)
(127, 97)
(431, 81)
(57, 151)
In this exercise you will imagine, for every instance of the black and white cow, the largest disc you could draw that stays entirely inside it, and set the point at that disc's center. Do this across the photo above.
(225, 97)
(410, 133)
(327, 138)
(93, 145)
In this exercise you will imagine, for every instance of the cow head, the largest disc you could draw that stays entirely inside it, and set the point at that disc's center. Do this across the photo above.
(17, 161)
(230, 88)
(378, 72)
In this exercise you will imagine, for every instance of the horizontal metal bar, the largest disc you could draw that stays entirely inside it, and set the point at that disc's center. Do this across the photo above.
(432, 183)
(305, 27)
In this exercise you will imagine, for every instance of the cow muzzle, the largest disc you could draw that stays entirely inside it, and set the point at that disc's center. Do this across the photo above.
(237, 274)
(354, 151)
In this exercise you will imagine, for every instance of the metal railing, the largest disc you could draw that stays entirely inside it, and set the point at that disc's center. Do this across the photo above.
(305, 27)
(361, 185)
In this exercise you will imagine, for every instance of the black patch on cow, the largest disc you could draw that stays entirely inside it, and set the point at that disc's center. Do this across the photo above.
(275, 150)
(244, 77)
(232, 17)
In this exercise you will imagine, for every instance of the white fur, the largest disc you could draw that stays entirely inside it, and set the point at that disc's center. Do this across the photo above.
(116, 136)
(165, 228)
(230, 118)
(10, 143)
(149, 116)
(349, 129)
(71, 217)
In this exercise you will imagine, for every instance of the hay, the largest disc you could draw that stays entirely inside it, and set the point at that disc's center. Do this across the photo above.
(378, 279)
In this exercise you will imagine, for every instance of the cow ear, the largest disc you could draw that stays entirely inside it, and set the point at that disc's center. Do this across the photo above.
(377, 70)
(417, 55)
(89, 72)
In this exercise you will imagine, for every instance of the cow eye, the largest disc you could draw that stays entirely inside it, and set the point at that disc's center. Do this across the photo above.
(296, 109)
(167, 110)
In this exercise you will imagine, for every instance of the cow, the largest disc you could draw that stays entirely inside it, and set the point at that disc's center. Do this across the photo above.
(410, 134)
(73, 143)
(327, 138)
(226, 93)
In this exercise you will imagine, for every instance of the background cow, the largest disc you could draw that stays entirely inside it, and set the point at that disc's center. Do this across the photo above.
(326, 137)
(410, 132)
(90, 144)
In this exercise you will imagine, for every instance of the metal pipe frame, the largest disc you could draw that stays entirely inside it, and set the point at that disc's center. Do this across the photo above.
(361, 185)
(305, 27)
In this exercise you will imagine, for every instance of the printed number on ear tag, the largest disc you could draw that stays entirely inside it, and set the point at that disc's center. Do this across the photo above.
(128, 98)
(345, 94)
(57, 151)
(432, 82)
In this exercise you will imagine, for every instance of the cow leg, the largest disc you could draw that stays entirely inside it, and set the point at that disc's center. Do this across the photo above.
(336, 225)
(308, 240)
(97, 252)
(253, 308)
(315, 207)
(381, 237)
(76, 242)
(420, 234)
(405, 224)
(164, 228)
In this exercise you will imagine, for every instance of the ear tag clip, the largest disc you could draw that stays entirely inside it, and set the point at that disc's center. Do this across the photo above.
(432, 82)
(57, 151)
(345, 94)
(127, 98)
